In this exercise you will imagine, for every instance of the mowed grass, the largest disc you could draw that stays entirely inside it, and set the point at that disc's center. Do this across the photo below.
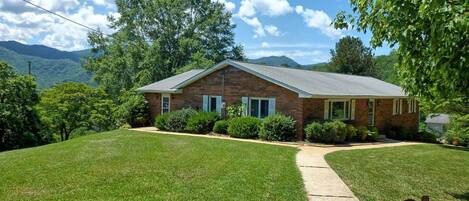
(399, 173)
(130, 165)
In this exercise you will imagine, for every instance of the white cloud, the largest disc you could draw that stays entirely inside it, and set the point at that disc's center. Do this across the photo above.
(318, 19)
(313, 56)
(249, 8)
(24, 24)
(105, 3)
(265, 45)
(256, 24)
(272, 30)
(229, 6)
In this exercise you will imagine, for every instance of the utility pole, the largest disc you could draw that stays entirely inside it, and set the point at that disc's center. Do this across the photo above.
(29, 67)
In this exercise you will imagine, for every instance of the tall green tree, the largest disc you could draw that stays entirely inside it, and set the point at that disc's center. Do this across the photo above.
(66, 107)
(19, 123)
(155, 38)
(352, 57)
(432, 38)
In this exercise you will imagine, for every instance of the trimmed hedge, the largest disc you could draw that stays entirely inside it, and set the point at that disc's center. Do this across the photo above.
(278, 127)
(328, 132)
(177, 120)
(221, 127)
(244, 127)
(161, 121)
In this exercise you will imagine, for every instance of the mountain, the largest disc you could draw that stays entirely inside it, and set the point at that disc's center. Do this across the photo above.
(276, 61)
(49, 65)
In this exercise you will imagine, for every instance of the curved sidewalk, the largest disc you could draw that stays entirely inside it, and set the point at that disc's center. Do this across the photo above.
(320, 180)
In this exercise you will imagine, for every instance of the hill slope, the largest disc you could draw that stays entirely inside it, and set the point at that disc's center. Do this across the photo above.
(46, 71)
(276, 61)
(39, 51)
(131, 165)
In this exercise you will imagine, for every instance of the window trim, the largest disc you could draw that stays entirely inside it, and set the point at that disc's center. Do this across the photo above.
(397, 106)
(412, 105)
(347, 109)
(258, 107)
(169, 102)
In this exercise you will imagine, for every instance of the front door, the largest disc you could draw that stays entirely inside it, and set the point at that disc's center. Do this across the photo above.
(371, 112)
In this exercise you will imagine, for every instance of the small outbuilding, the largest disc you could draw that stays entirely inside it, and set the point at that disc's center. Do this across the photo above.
(437, 122)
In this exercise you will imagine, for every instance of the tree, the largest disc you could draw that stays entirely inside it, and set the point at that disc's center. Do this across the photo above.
(155, 38)
(68, 106)
(352, 57)
(19, 123)
(433, 49)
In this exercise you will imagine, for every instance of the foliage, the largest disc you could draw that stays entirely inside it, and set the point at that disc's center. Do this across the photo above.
(177, 120)
(351, 132)
(458, 130)
(69, 106)
(373, 133)
(221, 127)
(385, 66)
(161, 121)
(133, 109)
(432, 44)
(278, 127)
(47, 72)
(122, 164)
(314, 132)
(327, 132)
(362, 133)
(244, 127)
(202, 122)
(352, 57)
(19, 123)
(233, 111)
(388, 173)
(154, 39)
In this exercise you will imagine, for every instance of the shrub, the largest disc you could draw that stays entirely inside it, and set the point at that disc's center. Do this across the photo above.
(351, 132)
(426, 136)
(397, 133)
(328, 136)
(362, 133)
(373, 133)
(277, 127)
(314, 132)
(233, 111)
(161, 121)
(244, 127)
(458, 130)
(202, 122)
(133, 110)
(177, 120)
(339, 129)
(221, 127)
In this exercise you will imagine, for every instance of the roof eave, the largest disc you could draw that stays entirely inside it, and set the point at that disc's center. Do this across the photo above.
(170, 91)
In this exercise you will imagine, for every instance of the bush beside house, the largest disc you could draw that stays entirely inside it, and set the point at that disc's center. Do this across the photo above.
(278, 127)
(244, 127)
(221, 127)
(202, 122)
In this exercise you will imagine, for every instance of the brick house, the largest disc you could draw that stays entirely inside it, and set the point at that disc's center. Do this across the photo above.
(303, 94)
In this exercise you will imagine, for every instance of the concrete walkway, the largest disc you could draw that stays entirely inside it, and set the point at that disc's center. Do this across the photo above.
(320, 181)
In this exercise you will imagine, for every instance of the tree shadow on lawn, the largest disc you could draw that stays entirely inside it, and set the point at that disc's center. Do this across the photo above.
(460, 196)
(454, 147)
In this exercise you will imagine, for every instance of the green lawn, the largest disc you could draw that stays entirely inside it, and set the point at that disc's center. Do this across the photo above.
(129, 165)
(399, 173)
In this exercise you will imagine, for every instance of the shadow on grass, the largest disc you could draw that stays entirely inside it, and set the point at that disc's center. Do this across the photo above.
(460, 196)
(454, 147)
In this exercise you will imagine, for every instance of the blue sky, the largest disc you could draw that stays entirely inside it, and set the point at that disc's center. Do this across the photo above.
(297, 29)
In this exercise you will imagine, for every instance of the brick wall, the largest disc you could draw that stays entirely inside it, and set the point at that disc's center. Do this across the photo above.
(238, 83)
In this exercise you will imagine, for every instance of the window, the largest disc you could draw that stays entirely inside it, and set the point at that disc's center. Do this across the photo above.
(259, 107)
(412, 105)
(371, 112)
(339, 109)
(165, 103)
(211, 103)
(397, 106)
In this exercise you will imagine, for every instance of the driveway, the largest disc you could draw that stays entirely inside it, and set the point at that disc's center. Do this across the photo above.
(320, 180)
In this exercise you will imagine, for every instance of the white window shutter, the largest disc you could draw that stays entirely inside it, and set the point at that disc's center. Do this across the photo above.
(218, 104)
(326, 109)
(245, 104)
(352, 109)
(394, 105)
(409, 106)
(271, 106)
(205, 103)
(400, 106)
